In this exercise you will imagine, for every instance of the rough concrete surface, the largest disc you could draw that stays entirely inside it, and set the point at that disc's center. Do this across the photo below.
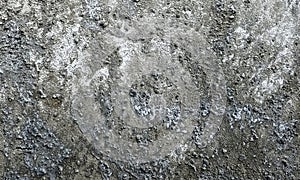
(149, 89)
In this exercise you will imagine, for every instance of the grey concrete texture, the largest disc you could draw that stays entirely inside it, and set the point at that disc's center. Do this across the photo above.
(133, 89)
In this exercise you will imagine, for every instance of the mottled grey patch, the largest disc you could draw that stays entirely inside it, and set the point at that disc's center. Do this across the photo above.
(148, 99)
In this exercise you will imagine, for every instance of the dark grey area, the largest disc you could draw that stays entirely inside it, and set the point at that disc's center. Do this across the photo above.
(235, 81)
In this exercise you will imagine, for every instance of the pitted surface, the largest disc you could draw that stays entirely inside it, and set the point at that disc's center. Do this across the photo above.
(152, 101)
(131, 89)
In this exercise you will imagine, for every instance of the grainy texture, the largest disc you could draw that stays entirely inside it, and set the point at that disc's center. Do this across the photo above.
(132, 89)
